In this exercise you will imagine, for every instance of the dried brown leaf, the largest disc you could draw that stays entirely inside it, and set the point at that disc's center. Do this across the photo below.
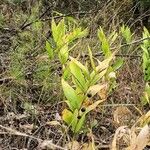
(143, 138)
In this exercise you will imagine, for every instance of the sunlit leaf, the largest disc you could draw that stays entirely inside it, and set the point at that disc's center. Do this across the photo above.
(104, 43)
(58, 32)
(113, 36)
(126, 33)
(77, 74)
(66, 73)
(82, 67)
(75, 34)
(67, 116)
(75, 120)
(73, 99)
(80, 123)
(102, 66)
(49, 49)
(63, 54)
(54, 30)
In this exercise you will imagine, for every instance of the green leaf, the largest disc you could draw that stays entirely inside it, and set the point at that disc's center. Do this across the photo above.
(118, 63)
(101, 67)
(126, 33)
(70, 118)
(72, 98)
(78, 76)
(75, 34)
(58, 32)
(80, 124)
(81, 66)
(67, 116)
(49, 50)
(104, 43)
(63, 54)
(61, 32)
(113, 36)
(91, 59)
(88, 109)
(96, 77)
(66, 73)
(74, 120)
(54, 30)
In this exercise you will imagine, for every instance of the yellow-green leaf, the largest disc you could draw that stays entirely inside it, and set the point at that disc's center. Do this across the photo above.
(91, 59)
(104, 43)
(82, 67)
(49, 50)
(63, 54)
(70, 94)
(118, 63)
(74, 120)
(80, 123)
(78, 76)
(67, 116)
(96, 77)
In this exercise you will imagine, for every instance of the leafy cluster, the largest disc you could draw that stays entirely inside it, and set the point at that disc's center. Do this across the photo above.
(145, 46)
(80, 83)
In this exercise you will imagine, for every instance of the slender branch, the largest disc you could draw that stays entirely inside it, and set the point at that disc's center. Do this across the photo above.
(134, 42)
(56, 17)
(123, 45)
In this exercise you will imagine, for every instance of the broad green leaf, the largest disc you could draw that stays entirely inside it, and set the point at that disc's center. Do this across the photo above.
(82, 67)
(77, 74)
(67, 116)
(63, 54)
(80, 124)
(145, 35)
(70, 94)
(118, 63)
(49, 49)
(66, 73)
(144, 62)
